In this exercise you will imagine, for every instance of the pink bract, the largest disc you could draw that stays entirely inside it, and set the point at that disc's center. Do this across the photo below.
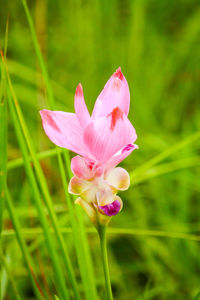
(103, 139)
(107, 136)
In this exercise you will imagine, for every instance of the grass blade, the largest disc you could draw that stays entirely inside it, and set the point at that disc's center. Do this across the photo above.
(182, 144)
(167, 168)
(39, 54)
(9, 274)
(86, 261)
(29, 264)
(27, 74)
(78, 234)
(3, 147)
(49, 205)
(34, 232)
(58, 272)
(18, 162)
(82, 236)
(3, 139)
(3, 133)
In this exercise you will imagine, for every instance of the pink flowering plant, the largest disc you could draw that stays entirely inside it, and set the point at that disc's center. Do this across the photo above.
(101, 141)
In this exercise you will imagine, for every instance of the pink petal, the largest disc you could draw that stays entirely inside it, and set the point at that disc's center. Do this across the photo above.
(107, 135)
(121, 155)
(64, 130)
(118, 178)
(80, 168)
(80, 107)
(115, 94)
(84, 168)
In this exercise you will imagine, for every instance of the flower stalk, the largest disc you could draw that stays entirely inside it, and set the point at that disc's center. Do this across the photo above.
(102, 237)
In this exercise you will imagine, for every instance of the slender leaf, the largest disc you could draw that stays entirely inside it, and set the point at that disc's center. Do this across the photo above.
(34, 232)
(4, 262)
(27, 259)
(85, 263)
(171, 150)
(35, 191)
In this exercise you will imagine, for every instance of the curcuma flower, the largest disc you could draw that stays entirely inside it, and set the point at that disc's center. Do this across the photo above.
(102, 141)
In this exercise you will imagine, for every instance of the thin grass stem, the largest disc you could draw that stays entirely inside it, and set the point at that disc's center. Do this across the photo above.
(53, 253)
(27, 259)
(3, 133)
(39, 54)
(19, 162)
(34, 232)
(3, 149)
(86, 261)
(182, 144)
(86, 257)
(10, 276)
(29, 75)
(77, 235)
(166, 168)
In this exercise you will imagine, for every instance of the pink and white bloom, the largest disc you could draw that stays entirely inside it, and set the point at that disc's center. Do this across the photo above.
(102, 141)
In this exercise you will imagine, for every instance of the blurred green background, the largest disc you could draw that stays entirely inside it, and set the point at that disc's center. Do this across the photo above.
(157, 45)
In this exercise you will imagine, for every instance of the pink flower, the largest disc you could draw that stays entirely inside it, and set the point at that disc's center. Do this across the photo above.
(102, 141)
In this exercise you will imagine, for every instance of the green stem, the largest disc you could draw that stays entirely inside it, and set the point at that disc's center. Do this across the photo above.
(102, 236)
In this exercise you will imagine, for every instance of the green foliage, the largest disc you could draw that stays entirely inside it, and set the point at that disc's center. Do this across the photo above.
(48, 246)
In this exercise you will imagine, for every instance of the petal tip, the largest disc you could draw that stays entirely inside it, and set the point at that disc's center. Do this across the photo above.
(136, 146)
(47, 117)
(118, 74)
(42, 112)
(79, 90)
(128, 148)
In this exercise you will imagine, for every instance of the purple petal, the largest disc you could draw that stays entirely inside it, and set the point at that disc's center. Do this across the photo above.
(111, 209)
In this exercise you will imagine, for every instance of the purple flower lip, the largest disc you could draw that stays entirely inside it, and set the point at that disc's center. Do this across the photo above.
(111, 209)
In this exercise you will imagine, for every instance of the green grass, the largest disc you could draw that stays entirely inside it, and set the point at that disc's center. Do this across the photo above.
(153, 244)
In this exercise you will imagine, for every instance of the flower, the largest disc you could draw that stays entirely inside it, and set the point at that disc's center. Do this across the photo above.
(102, 141)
